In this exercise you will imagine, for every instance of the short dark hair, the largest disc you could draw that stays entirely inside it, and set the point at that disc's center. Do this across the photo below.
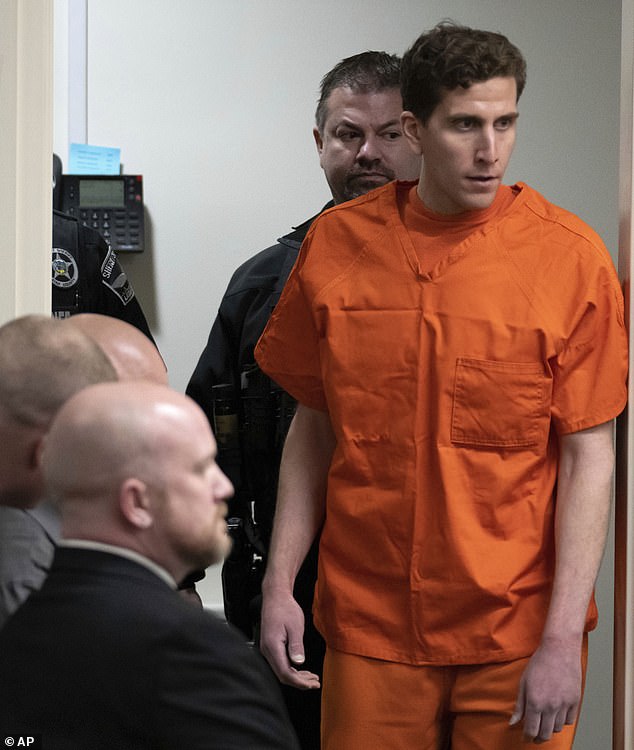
(364, 73)
(451, 56)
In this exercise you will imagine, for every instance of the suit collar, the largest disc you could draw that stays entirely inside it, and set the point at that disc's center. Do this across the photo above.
(120, 552)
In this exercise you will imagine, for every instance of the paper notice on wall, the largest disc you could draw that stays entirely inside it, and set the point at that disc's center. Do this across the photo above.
(86, 159)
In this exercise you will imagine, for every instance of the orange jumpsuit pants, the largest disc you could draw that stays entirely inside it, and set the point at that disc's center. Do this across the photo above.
(369, 703)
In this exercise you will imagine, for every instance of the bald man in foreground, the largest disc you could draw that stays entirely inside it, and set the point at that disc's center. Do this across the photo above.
(43, 361)
(134, 357)
(106, 654)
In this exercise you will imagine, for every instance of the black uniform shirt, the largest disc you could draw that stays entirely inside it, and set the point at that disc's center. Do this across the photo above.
(87, 276)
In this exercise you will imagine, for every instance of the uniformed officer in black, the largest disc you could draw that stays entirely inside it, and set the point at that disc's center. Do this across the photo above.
(87, 275)
(361, 146)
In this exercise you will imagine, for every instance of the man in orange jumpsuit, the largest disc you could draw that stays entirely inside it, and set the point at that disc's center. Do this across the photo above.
(459, 353)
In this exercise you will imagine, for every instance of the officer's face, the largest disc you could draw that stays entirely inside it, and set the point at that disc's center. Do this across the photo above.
(362, 144)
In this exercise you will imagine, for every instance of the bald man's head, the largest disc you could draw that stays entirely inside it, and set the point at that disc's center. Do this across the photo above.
(42, 364)
(133, 355)
(143, 474)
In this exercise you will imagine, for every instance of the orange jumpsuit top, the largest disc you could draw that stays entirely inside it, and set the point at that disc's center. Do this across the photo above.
(446, 391)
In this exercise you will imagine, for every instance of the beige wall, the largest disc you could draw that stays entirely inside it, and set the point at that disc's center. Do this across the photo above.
(26, 111)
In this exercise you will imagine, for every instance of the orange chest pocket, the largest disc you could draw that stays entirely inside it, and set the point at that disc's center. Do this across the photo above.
(500, 404)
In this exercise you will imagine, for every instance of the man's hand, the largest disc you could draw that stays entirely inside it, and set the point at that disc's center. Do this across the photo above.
(550, 690)
(281, 640)
(299, 514)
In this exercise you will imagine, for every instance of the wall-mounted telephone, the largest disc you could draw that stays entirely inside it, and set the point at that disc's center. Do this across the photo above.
(111, 204)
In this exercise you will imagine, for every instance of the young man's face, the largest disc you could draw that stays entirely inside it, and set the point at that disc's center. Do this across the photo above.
(466, 145)
(362, 144)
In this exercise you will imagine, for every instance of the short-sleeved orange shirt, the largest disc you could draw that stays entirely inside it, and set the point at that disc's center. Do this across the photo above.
(446, 390)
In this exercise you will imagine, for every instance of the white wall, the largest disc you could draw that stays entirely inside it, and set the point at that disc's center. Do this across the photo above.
(213, 103)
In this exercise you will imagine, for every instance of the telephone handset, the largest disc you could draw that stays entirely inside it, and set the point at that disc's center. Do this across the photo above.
(57, 181)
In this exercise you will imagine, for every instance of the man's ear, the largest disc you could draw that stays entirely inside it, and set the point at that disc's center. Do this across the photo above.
(319, 141)
(135, 503)
(412, 130)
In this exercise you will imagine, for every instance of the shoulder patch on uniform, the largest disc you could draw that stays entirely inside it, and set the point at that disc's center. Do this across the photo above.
(65, 270)
(113, 276)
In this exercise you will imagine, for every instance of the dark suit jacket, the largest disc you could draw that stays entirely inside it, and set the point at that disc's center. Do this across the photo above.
(106, 655)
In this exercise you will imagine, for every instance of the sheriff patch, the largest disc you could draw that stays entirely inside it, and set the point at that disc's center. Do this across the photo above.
(113, 276)
(65, 270)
